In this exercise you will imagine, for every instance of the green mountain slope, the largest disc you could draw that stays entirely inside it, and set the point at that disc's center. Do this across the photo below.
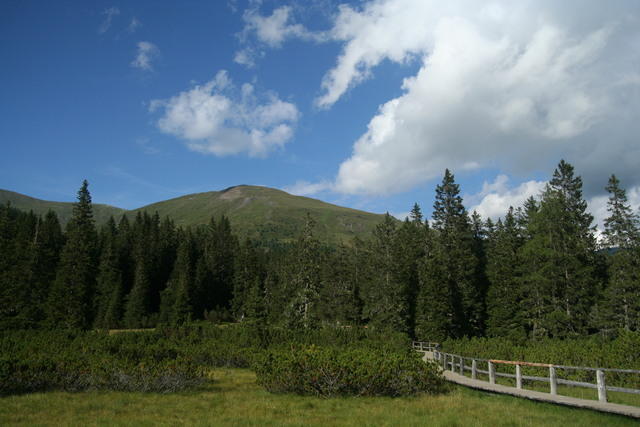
(262, 213)
(62, 209)
(268, 214)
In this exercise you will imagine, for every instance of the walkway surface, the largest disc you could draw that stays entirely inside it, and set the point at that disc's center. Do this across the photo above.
(613, 408)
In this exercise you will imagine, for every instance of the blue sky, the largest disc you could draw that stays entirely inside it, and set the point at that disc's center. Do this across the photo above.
(362, 104)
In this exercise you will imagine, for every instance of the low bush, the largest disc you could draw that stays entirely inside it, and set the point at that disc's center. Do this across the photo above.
(169, 358)
(322, 371)
(44, 374)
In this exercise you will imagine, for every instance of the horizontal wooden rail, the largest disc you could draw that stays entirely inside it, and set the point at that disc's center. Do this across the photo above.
(457, 363)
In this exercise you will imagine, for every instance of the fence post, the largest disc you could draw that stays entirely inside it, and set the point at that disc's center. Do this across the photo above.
(461, 365)
(443, 356)
(602, 387)
(492, 372)
(553, 380)
(453, 363)
(518, 377)
(474, 369)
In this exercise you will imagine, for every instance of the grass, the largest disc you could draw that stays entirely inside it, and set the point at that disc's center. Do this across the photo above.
(234, 399)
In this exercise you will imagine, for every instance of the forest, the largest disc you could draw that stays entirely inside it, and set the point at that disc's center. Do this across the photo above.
(538, 272)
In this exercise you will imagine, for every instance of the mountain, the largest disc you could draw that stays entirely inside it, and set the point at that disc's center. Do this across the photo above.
(63, 209)
(267, 214)
(262, 213)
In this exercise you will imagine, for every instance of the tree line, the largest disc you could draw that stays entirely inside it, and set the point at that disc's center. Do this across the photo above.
(537, 272)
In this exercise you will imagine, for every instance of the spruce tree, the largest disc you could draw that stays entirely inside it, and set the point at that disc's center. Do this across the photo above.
(70, 299)
(17, 275)
(560, 257)
(178, 296)
(621, 305)
(109, 287)
(248, 281)
(436, 303)
(409, 249)
(454, 265)
(137, 312)
(304, 286)
(504, 296)
(339, 296)
(385, 297)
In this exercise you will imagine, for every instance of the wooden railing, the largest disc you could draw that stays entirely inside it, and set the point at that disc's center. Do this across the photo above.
(457, 363)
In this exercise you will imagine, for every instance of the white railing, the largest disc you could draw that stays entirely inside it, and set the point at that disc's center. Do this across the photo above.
(458, 364)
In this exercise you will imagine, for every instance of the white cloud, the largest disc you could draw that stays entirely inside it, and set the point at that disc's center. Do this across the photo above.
(512, 86)
(134, 25)
(215, 119)
(306, 188)
(109, 14)
(271, 31)
(495, 198)
(147, 52)
(245, 57)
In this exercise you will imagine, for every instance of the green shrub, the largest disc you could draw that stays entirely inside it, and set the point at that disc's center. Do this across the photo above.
(321, 371)
(44, 374)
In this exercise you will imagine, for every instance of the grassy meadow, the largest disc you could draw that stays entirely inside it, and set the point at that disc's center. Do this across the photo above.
(234, 398)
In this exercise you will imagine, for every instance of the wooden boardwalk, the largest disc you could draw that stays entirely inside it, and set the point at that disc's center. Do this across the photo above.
(613, 408)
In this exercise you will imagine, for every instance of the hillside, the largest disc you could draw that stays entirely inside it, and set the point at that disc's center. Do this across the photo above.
(62, 209)
(262, 213)
(267, 214)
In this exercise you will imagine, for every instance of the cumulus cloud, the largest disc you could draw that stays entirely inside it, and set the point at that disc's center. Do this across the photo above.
(218, 118)
(496, 197)
(109, 14)
(306, 188)
(147, 52)
(512, 86)
(271, 31)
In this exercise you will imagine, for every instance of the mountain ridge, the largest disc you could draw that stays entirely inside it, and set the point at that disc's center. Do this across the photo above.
(261, 213)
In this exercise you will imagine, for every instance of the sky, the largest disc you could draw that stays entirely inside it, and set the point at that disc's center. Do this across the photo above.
(362, 104)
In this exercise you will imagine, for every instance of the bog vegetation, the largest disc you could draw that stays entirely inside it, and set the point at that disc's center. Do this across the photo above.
(536, 279)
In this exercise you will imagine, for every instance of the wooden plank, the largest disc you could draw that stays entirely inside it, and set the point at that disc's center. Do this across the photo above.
(576, 383)
(602, 387)
(623, 389)
(511, 362)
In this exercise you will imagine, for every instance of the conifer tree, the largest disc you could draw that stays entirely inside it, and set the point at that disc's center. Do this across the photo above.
(46, 245)
(560, 257)
(70, 299)
(504, 296)
(248, 281)
(304, 285)
(109, 286)
(621, 305)
(450, 273)
(137, 310)
(409, 250)
(339, 294)
(178, 297)
(385, 299)
(17, 274)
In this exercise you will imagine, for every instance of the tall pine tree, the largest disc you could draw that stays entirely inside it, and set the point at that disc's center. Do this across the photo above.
(70, 299)
(621, 305)
(558, 276)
